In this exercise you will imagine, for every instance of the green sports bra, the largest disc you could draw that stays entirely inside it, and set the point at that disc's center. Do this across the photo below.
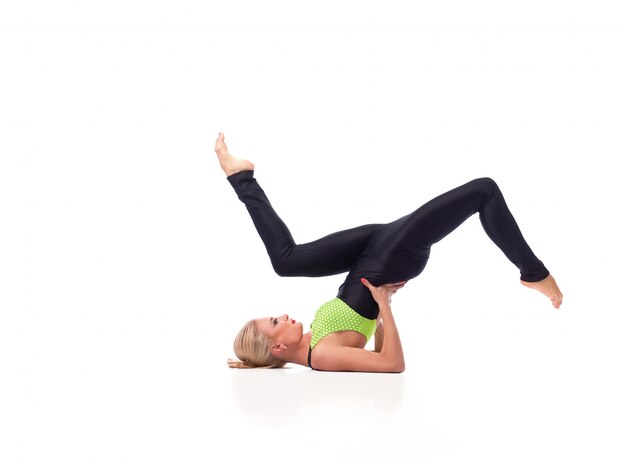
(336, 315)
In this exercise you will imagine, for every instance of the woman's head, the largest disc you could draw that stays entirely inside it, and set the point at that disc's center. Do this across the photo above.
(262, 342)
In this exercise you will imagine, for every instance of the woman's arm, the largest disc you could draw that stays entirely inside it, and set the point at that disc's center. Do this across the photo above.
(391, 347)
(379, 335)
(390, 359)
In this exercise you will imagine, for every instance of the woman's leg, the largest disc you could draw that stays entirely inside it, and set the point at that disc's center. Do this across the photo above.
(415, 233)
(437, 218)
(400, 250)
(329, 255)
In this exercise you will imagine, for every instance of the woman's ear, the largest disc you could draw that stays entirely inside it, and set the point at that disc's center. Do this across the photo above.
(277, 348)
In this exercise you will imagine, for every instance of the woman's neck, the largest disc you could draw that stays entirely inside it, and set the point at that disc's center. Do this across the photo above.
(300, 354)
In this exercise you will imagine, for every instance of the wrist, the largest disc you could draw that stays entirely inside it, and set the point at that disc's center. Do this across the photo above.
(384, 307)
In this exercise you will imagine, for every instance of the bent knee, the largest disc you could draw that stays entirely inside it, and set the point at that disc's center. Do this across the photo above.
(486, 184)
(486, 187)
(282, 268)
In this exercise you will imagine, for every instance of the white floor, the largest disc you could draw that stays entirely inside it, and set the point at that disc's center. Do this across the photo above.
(422, 418)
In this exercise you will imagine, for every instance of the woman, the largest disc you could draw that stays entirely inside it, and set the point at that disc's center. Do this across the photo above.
(379, 259)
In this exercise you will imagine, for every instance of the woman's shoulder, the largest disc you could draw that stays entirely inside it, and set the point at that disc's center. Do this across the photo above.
(322, 354)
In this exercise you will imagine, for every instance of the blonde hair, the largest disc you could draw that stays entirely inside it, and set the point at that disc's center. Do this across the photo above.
(253, 349)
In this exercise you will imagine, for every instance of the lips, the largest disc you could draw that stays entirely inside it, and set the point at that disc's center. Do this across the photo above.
(293, 322)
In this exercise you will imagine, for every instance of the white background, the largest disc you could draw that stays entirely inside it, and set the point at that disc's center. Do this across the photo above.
(127, 264)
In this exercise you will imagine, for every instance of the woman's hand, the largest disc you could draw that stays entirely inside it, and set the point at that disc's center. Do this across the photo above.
(382, 294)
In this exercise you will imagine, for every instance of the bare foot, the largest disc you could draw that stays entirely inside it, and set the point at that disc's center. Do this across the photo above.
(547, 287)
(230, 164)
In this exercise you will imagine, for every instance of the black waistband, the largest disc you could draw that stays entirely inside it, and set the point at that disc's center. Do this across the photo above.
(309, 358)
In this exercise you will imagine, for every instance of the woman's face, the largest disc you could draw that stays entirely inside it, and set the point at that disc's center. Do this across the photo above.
(280, 329)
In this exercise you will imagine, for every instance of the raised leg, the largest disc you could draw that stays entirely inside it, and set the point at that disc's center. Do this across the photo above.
(329, 255)
(440, 216)
(413, 234)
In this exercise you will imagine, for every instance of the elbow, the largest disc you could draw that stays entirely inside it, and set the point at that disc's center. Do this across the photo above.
(397, 366)
(394, 362)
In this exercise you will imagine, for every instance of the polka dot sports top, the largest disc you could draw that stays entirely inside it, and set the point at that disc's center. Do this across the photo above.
(334, 316)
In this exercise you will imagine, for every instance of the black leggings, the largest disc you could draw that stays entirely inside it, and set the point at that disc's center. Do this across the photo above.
(386, 253)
